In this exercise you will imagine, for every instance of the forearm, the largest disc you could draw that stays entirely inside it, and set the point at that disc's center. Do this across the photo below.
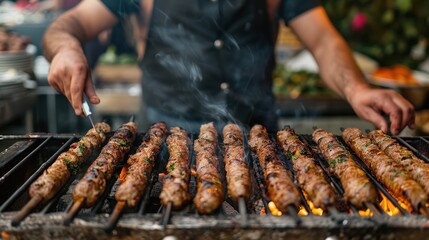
(337, 65)
(65, 33)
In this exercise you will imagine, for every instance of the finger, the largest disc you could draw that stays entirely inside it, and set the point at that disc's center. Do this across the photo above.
(76, 88)
(52, 81)
(412, 122)
(407, 111)
(376, 118)
(396, 120)
(90, 91)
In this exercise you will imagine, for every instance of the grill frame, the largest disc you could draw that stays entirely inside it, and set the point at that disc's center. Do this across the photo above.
(48, 224)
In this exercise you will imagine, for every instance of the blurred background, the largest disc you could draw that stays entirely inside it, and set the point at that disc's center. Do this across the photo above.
(389, 39)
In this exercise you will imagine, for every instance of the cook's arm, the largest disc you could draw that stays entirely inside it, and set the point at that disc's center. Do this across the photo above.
(69, 72)
(340, 72)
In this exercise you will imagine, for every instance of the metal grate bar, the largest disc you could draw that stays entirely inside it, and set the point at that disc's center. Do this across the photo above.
(24, 160)
(35, 175)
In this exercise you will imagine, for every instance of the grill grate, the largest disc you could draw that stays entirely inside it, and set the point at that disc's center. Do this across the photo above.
(240, 219)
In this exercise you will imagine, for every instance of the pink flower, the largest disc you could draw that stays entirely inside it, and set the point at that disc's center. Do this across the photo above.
(359, 22)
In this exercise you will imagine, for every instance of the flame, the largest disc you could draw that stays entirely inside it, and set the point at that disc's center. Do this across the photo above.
(193, 172)
(123, 174)
(366, 213)
(5, 235)
(314, 210)
(302, 211)
(387, 206)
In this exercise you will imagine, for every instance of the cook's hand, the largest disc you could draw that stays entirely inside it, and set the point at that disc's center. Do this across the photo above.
(70, 75)
(370, 104)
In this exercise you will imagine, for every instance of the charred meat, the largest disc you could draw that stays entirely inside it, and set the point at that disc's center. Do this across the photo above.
(210, 191)
(416, 167)
(358, 189)
(93, 183)
(308, 174)
(385, 169)
(280, 188)
(175, 189)
(67, 163)
(140, 166)
(237, 171)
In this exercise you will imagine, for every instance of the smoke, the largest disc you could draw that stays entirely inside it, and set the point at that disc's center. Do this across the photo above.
(187, 66)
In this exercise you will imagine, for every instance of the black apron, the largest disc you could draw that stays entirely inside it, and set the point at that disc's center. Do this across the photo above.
(209, 60)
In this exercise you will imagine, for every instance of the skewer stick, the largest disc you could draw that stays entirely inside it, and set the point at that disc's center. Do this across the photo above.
(26, 210)
(73, 211)
(243, 212)
(294, 214)
(372, 208)
(167, 214)
(333, 211)
(114, 217)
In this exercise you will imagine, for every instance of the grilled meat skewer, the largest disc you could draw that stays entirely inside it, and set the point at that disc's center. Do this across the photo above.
(237, 171)
(93, 184)
(416, 167)
(67, 163)
(140, 166)
(175, 189)
(210, 191)
(358, 189)
(281, 190)
(308, 174)
(386, 170)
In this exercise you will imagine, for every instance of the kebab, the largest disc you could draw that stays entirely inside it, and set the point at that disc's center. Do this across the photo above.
(385, 169)
(93, 184)
(281, 190)
(308, 174)
(416, 167)
(140, 166)
(210, 191)
(137, 171)
(237, 171)
(358, 189)
(175, 189)
(67, 163)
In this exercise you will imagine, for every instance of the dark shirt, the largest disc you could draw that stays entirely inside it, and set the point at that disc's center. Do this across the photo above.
(211, 60)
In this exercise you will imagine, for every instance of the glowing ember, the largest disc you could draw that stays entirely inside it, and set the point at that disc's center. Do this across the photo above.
(273, 209)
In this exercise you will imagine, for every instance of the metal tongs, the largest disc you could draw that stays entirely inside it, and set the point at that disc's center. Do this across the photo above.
(87, 111)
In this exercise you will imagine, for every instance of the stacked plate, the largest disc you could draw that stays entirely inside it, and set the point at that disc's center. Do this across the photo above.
(20, 61)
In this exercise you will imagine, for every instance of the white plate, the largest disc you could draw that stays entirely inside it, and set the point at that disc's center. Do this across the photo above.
(421, 77)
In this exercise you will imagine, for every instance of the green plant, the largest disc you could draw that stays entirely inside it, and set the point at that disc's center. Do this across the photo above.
(385, 30)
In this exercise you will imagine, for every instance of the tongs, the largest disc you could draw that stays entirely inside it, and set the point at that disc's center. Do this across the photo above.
(87, 111)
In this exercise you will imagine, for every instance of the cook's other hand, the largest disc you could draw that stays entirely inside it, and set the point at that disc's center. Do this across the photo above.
(70, 75)
(373, 104)
(341, 73)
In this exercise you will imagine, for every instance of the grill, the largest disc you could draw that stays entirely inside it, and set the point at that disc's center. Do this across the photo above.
(24, 158)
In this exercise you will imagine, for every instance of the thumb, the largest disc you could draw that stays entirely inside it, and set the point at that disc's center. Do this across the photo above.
(90, 91)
